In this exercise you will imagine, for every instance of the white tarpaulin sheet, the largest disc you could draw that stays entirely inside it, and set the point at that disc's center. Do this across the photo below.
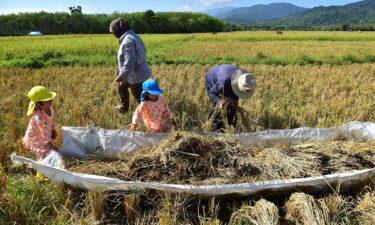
(93, 182)
(81, 142)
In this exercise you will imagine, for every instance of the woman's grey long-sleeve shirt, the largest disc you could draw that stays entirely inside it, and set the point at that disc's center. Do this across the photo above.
(132, 64)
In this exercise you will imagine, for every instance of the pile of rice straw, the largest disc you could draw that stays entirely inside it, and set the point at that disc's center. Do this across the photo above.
(189, 158)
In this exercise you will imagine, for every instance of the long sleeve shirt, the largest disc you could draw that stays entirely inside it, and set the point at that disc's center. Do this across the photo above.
(157, 116)
(131, 57)
(218, 82)
(39, 132)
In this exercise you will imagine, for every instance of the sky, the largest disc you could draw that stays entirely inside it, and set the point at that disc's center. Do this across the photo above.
(109, 6)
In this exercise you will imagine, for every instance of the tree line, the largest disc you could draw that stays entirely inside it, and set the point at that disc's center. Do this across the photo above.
(76, 22)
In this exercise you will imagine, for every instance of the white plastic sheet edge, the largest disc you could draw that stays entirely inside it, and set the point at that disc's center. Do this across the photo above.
(80, 142)
(93, 182)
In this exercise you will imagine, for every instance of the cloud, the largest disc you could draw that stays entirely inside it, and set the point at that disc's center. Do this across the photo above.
(207, 3)
(185, 8)
(201, 5)
(19, 10)
(87, 9)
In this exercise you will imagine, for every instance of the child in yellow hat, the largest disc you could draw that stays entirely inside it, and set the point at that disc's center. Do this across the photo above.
(41, 129)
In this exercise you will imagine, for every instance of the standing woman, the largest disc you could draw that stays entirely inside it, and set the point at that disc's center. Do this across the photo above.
(132, 65)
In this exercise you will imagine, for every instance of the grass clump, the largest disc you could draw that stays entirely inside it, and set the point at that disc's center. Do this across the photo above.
(28, 201)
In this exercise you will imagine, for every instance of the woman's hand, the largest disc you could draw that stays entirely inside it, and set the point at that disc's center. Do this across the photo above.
(119, 79)
(220, 104)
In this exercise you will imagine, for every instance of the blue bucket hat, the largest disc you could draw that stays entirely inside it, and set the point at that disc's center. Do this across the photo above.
(152, 87)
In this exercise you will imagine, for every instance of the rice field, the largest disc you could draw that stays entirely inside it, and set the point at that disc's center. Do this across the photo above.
(291, 48)
(313, 79)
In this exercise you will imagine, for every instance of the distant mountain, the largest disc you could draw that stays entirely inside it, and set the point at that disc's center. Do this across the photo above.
(217, 11)
(355, 13)
(257, 13)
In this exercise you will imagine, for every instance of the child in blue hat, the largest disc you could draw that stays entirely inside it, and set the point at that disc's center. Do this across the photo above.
(153, 110)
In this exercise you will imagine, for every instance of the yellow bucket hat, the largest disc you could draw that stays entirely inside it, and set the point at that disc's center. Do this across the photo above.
(38, 94)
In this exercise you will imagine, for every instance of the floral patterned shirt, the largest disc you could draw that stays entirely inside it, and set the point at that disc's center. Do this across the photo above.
(156, 115)
(39, 132)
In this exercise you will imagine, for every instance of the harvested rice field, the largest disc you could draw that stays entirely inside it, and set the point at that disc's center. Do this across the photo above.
(304, 79)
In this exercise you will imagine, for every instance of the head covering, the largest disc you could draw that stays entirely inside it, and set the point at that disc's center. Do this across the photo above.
(118, 27)
(152, 87)
(38, 94)
(243, 83)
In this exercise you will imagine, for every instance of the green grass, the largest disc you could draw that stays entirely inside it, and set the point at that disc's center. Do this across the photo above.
(31, 202)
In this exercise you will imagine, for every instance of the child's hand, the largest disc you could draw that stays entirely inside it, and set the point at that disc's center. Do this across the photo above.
(133, 127)
(54, 134)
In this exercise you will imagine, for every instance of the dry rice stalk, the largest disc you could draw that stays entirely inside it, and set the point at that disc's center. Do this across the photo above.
(190, 158)
(146, 219)
(366, 209)
(339, 208)
(304, 209)
(262, 213)
(3, 179)
(132, 208)
(97, 203)
(243, 114)
(241, 216)
(172, 210)
(276, 164)
(211, 219)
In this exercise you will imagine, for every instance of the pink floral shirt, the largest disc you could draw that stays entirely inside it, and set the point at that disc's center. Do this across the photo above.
(156, 115)
(39, 132)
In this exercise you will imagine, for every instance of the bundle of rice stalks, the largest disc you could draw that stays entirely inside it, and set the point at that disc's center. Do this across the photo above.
(189, 158)
(339, 208)
(305, 209)
(366, 209)
(262, 213)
